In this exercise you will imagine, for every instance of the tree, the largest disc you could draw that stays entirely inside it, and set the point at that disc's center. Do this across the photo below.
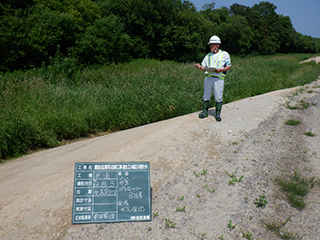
(269, 41)
(145, 21)
(49, 30)
(216, 16)
(32, 35)
(85, 12)
(286, 34)
(104, 42)
(7, 6)
(186, 36)
(12, 41)
(162, 29)
(236, 35)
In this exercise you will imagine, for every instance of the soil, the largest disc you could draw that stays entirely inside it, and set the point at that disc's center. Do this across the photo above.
(252, 141)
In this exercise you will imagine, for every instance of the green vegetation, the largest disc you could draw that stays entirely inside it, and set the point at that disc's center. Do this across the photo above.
(261, 201)
(292, 122)
(198, 196)
(277, 229)
(302, 105)
(247, 235)
(310, 134)
(169, 223)
(297, 188)
(42, 108)
(230, 225)
(234, 177)
(181, 209)
(210, 190)
(203, 173)
(199, 236)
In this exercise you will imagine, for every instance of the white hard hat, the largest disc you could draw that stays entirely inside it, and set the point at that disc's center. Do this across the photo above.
(214, 39)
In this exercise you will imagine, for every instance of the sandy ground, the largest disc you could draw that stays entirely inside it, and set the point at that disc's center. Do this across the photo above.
(37, 190)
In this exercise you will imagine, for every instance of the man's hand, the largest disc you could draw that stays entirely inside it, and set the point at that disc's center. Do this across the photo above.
(227, 68)
(199, 67)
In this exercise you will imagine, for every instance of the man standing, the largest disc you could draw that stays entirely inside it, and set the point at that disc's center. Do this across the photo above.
(214, 79)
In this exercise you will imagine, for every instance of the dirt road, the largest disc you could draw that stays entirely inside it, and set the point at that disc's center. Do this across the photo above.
(316, 59)
(36, 190)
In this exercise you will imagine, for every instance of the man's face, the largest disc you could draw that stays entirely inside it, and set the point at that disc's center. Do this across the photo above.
(214, 46)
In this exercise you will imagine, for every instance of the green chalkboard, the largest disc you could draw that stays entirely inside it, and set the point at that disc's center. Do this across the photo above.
(111, 192)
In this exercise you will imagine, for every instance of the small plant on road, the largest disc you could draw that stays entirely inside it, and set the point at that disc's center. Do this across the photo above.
(261, 202)
(230, 225)
(210, 190)
(233, 180)
(181, 199)
(169, 223)
(204, 172)
(292, 122)
(309, 134)
(179, 209)
(200, 236)
(198, 196)
(234, 177)
(247, 235)
(233, 174)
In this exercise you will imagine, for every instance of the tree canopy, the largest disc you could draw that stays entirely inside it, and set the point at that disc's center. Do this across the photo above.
(111, 31)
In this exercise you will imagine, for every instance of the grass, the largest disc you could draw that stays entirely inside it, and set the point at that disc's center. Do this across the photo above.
(232, 174)
(297, 188)
(247, 235)
(292, 122)
(302, 105)
(181, 209)
(199, 197)
(199, 236)
(309, 134)
(181, 198)
(43, 108)
(277, 229)
(210, 190)
(234, 177)
(203, 173)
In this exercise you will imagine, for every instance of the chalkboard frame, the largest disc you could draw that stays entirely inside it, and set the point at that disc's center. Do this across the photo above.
(111, 192)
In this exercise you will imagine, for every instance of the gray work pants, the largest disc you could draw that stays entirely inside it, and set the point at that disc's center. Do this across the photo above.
(215, 85)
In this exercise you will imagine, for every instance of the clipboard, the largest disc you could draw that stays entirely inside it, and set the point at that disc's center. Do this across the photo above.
(210, 69)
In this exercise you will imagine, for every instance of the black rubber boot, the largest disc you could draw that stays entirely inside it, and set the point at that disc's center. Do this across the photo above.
(205, 111)
(218, 111)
